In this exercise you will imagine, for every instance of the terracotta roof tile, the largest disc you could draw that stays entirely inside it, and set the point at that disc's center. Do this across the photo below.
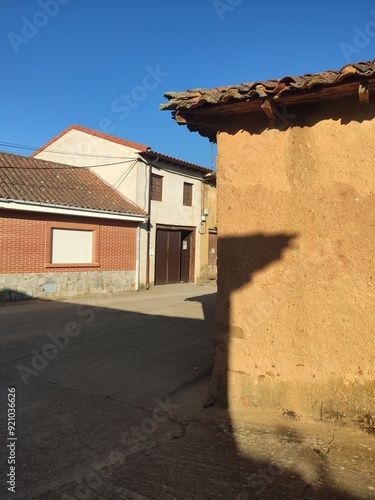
(33, 180)
(112, 138)
(155, 155)
(198, 98)
(140, 147)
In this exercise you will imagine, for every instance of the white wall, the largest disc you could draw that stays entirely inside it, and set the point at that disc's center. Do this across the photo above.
(128, 174)
(171, 210)
(123, 168)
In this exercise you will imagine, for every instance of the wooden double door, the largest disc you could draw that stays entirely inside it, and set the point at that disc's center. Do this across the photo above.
(174, 255)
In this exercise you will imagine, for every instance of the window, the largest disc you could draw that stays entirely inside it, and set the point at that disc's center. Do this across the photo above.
(71, 246)
(188, 194)
(156, 187)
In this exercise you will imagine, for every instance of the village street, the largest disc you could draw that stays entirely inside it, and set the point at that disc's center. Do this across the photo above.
(115, 366)
(111, 402)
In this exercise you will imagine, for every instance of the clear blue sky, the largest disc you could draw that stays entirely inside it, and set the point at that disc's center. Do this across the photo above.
(78, 61)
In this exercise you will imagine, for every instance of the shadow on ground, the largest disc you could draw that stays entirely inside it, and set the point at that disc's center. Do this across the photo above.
(113, 403)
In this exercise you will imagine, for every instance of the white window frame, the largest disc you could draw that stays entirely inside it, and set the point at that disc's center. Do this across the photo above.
(71, 246)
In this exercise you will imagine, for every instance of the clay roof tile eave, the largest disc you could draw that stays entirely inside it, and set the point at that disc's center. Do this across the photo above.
(203, 98)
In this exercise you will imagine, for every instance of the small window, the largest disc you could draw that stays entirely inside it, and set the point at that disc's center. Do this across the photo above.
(71, 246)
(156, 187)
(188, 194)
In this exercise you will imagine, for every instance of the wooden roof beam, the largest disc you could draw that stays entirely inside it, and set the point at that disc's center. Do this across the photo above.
(363, 93)
(269, 108)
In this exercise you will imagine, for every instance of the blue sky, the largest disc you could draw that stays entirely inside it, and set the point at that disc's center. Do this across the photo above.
(105, 64)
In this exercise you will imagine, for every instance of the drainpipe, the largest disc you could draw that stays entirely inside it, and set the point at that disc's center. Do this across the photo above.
(149, 223)
(148, 232)
(137, 261)
(203, 203)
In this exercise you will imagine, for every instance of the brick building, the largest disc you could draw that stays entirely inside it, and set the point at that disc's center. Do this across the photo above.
(63, 231)
(178, 243)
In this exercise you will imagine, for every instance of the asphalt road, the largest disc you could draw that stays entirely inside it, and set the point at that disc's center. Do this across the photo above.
(94, 378)
(112, 402)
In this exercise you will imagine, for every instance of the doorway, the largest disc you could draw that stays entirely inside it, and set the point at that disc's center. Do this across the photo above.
(212, 254)
(174, 255)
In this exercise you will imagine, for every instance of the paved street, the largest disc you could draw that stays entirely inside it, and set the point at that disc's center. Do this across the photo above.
(111, 397)
(94, 376)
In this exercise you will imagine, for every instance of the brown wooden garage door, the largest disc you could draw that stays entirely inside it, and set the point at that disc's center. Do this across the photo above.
(174, 256)
(167, 262)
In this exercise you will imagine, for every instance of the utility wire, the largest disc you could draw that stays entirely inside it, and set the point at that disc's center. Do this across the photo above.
(55, 151)
(62, 167)
(125, 159)
(123, 176)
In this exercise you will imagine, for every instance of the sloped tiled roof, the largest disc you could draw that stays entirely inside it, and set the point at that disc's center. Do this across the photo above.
(155, 155)
(39, 181)
(198, 98)
(102, 135)
(140, 147)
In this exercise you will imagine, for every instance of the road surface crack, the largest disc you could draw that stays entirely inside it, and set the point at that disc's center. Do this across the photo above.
(324, 455)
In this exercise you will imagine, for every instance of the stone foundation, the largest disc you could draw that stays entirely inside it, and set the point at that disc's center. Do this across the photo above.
(64, 284)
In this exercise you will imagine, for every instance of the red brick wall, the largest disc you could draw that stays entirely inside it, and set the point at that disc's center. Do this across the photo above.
(25, 242)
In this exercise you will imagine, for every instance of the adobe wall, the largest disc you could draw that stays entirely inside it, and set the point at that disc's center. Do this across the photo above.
(296, 215)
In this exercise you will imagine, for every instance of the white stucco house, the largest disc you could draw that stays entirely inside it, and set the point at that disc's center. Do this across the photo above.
(169, 190)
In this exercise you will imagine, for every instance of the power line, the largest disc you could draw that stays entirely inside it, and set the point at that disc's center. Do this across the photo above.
(63, 167)
(116, 185)
(124, 159)
(55, 151)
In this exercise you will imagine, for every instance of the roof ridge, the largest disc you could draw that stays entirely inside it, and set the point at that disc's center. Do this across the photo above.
(177, 160)
(96, 133)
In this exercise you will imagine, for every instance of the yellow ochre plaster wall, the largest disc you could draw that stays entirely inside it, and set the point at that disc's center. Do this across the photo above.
(295, 324)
